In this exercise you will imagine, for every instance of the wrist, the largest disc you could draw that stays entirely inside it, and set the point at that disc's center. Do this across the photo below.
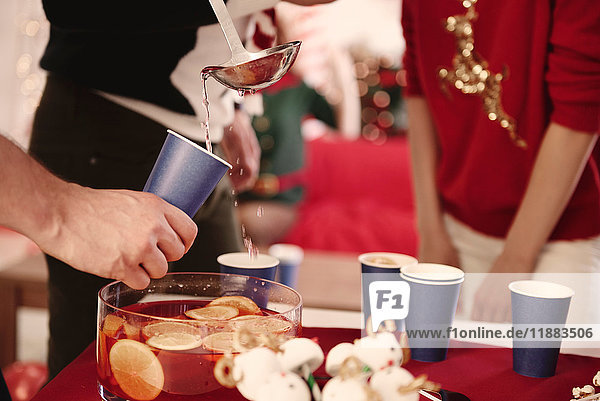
(432, 226)
(47, 210)
(517, 261)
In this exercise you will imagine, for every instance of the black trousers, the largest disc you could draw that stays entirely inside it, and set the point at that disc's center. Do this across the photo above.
(84, 138)
(4, 393)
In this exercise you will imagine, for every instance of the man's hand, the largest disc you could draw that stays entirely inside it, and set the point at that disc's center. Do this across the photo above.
(125, 235)
(119, 234)
(242, 151)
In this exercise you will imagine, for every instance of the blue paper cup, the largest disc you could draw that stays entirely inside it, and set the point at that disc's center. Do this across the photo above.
(185, 173)
(290, 257)
(384, 262)
(380, 266)
(261, 266)
(536, 302)
(434, 291)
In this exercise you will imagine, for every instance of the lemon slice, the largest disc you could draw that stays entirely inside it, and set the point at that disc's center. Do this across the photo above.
(221, 342)
(169, 328)
(245, 305)
(136, 369)
(175, 341)
(216, 312)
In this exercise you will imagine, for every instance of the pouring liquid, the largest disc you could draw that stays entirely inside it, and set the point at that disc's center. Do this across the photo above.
(206, 72)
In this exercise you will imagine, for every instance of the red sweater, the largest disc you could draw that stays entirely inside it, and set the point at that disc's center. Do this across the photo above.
(552, 52)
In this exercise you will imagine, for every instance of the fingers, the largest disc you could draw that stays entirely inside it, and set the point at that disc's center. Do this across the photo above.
(155, 263)
(184, 230)
(171, 246)
(136, 278)
(491, 305)
(243, 182)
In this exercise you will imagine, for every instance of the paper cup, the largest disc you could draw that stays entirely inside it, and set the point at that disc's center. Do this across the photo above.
(434, 291)
(380, 266)
(261, 266)
(290, 257)
(185, 174)
(384, 262)
(532, 303)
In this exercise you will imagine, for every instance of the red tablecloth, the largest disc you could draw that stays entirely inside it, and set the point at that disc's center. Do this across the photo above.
(482, 374)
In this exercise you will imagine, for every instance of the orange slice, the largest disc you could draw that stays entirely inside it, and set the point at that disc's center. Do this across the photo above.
(245, 318)
(245, 305)
(215, 312)
(219, 342)
(112, 324)
(167, 328)
(240, 321)
(175, 341)
(136, 369)
(131, 331)
(268, 325)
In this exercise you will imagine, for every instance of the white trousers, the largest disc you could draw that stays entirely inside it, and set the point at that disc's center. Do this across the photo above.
(575, 264)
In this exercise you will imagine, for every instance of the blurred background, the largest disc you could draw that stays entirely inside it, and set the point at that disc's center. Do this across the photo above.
(335, 175)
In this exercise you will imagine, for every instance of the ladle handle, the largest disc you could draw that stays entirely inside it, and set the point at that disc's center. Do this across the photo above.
(239, 54)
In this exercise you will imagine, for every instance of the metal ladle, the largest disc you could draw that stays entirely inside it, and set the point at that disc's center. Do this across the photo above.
(248, 71)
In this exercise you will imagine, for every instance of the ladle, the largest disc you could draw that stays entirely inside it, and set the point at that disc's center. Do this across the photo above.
(248, 71)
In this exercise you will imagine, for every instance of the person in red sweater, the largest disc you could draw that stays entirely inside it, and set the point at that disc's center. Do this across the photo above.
(503, 104)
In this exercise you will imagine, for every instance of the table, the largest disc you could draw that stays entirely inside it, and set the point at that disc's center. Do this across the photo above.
(330, 280)
(484, 374)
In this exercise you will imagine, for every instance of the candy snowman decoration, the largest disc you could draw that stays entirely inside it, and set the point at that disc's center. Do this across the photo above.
(394, 383)
(345, 389)
(369, 369)
(286, 386)
(302, 356)
(271, 370)
(251, 369)
(350, 383)
(379, 350)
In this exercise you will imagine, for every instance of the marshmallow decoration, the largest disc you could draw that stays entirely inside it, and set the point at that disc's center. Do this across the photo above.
(366, 370)
(336, 357)
(251, 369)
(379, 351)
(389, 382)
(338, 389)
(286, 386)
(583, 392)
(299, 352)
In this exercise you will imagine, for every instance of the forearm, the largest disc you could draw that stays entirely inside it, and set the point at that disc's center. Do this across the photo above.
(562, 156)
(26, 190)
(424, 155)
